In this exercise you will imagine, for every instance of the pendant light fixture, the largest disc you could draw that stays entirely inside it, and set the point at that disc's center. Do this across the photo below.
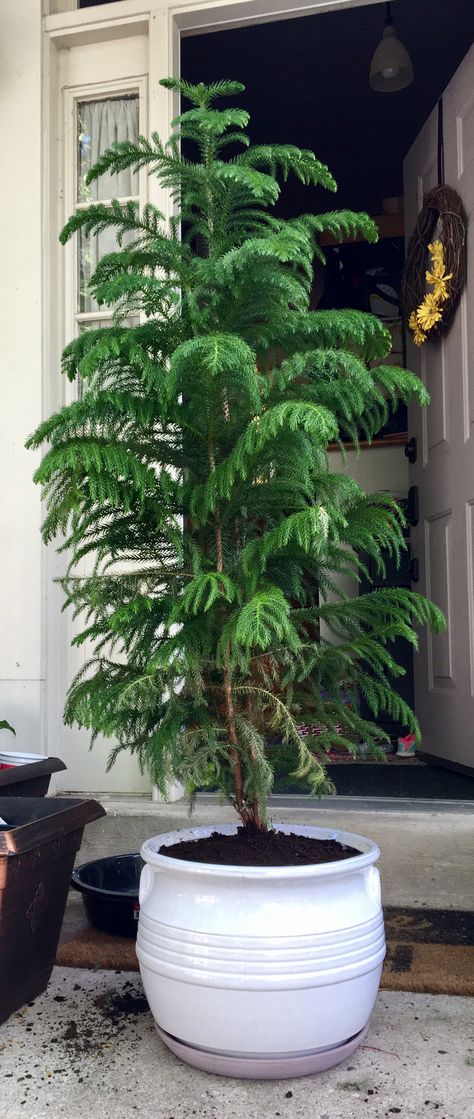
(391, 68)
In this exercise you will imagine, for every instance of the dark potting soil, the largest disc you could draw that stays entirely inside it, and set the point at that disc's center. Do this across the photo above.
(251, 847)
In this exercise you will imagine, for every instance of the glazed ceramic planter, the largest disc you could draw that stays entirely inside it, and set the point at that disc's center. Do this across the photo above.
(261, 971)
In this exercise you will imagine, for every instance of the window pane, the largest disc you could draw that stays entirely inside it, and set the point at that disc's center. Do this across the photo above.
(89, 251)
(93, 324)
(100, 124)
(102, 324)
(98, 324)
(90, 324)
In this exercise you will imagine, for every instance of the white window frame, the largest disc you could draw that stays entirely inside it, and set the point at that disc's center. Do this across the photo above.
(73, 96)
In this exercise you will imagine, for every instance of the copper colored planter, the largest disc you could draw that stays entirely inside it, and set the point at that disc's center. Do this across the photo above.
(37, 852)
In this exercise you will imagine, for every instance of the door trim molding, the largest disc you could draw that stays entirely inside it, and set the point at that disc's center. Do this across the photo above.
(191, 18)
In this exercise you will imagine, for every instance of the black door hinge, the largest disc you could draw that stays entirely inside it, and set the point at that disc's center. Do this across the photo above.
(411, 450)
(415, 570)
(413, 506)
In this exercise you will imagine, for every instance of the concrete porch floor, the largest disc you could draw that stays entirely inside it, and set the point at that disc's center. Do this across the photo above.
(78, 1052)
(89, 1044)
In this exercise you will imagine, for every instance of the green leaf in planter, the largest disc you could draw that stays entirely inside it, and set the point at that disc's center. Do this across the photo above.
(6, 726)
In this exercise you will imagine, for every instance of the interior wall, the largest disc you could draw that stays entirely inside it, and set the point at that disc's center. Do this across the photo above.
(21, 681)
(377, 470)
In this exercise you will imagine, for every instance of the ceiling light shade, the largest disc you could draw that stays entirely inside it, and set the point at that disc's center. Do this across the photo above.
(391, 68)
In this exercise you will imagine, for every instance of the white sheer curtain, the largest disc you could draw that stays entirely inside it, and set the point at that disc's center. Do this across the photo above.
(100, 124)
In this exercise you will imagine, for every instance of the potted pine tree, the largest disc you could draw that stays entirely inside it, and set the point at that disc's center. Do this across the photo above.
(194, 470)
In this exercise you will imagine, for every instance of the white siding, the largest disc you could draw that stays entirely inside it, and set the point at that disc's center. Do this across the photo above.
(20, 364)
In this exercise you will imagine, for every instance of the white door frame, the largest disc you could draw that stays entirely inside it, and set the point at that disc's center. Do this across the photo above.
(164, 23)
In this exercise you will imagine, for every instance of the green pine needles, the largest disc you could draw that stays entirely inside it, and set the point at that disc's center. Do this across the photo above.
(194, 474)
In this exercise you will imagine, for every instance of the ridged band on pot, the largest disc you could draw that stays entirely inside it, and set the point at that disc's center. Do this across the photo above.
(261, 961)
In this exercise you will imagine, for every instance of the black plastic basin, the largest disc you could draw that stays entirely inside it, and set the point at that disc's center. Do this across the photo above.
(109, 889)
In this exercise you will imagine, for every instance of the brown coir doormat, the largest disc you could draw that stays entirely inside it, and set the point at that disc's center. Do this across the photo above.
(428, 950)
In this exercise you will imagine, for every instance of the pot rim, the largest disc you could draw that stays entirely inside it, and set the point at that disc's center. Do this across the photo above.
(87, 888)
(369, 854)
(24, 754)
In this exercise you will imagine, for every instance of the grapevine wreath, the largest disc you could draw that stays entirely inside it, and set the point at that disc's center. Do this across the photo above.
(434, 272)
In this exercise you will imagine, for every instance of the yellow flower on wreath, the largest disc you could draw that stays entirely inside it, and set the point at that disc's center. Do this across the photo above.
(437, 272)
(440, 286)
(429, 312)
(419, 335)
(436, 251)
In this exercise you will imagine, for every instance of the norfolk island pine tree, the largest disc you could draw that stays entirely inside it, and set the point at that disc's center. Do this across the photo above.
(194, 474)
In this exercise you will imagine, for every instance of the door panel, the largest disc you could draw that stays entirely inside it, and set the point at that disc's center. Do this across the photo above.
(438, 532)
(437, 415)
(444, 472)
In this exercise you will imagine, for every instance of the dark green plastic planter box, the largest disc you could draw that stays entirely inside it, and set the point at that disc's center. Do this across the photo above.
(37, 852)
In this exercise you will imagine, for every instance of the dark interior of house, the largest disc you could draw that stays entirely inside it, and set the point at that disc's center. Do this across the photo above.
(307, 80)
(321, 98)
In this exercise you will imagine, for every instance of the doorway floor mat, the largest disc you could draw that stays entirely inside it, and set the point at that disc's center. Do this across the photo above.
(412, 780)
(429, 951)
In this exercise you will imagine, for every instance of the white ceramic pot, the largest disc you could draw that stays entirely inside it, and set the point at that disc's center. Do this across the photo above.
(261, 971)
(11, 758)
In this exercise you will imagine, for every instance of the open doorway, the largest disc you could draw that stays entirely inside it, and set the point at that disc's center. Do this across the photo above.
(307, 81)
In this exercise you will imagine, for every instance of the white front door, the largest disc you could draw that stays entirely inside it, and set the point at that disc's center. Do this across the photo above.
(443, 540)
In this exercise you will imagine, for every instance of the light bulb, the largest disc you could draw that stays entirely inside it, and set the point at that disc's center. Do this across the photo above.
(391, 72)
